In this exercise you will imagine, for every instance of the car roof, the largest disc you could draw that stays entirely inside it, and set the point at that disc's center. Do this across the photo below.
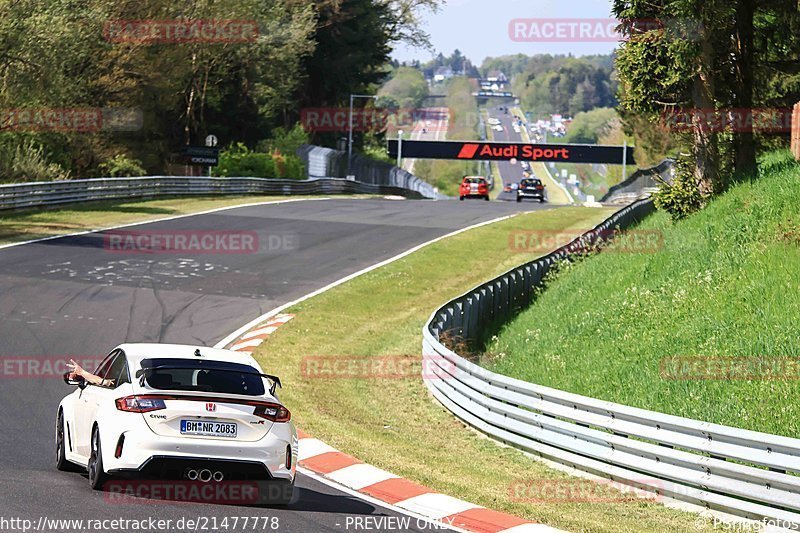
(136, 352)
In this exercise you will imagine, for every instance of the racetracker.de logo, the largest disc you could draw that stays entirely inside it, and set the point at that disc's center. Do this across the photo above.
(412, 120)
(563, 30)
(596, 30)
(181, 242)
(629, 242)
(757, 120)
(44, 366)
(196, 491)
(755, 368)
(181, 31)
(582, 491)
(432, 367)
(71, 119)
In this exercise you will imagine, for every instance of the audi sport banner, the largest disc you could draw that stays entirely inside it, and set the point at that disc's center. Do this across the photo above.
(496, 151)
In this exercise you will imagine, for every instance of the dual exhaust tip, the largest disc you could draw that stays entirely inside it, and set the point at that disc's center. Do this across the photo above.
(205, 475)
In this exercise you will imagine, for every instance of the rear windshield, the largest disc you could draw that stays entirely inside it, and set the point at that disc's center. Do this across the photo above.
(531, 183)
(474, 180)
(203, 376)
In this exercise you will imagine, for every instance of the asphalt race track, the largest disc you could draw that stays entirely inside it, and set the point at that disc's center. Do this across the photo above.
(72, 296)
(510, 173)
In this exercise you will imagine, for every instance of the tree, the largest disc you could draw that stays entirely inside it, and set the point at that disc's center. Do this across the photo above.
(588, 127)
(712, 57)
(407, 88)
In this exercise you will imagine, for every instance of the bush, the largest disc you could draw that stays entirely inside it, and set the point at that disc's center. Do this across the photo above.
(283, 146)
(122, 166)
(29, 162)
(285, 141)
(238, 160)
(275, 157)
(288, 166)
(682, 197)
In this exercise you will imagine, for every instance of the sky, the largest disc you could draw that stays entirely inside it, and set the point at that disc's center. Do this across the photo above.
(480, 28)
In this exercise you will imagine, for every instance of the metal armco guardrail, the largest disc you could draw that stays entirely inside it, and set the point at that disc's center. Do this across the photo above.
(48, 193)
(643, 181)
(741, 472)
(325, 162)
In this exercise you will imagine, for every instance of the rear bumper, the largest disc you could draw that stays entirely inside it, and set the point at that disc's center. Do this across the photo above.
(176, 467)
(146, 454)
(200, 480)
(530, 194)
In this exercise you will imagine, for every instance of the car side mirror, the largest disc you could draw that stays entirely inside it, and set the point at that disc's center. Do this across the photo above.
(74, 381)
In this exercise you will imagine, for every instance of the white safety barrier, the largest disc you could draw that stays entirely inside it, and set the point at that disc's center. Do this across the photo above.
(48, 193)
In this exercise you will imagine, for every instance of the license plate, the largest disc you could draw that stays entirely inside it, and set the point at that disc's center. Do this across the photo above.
(208, 429)
(473, 188)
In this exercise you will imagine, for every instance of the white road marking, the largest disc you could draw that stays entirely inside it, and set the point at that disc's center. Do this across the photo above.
(150, 221)
(435, 505)
(360, 475)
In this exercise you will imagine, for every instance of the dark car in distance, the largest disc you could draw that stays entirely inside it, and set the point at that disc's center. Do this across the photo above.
(530, 188)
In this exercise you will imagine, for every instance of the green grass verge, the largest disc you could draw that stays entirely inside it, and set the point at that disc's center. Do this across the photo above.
(394, 423)
(19, 226)
(724, 284)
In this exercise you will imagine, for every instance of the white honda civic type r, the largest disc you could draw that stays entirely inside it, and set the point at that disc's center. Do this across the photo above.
(166, 411)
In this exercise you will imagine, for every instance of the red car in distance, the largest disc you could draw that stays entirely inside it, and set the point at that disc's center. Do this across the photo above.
(474, 187)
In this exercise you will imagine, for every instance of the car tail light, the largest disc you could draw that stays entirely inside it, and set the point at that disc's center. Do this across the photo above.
(272, 411)
(141, 404)
(288, 461)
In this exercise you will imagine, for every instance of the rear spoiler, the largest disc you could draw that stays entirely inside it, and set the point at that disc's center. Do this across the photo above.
(275, 381)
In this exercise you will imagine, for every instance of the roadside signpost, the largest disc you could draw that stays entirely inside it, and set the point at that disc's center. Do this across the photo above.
(400, 149)
(201, 155)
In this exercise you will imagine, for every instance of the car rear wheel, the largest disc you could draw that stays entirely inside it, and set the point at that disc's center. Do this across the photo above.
(61, 449)
(519, 198)
(461, 198)
(486, 198)
(97, 475)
